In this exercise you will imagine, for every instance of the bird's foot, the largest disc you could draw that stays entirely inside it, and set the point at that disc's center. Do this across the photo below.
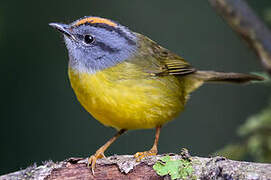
(92, 159)
(140, 155)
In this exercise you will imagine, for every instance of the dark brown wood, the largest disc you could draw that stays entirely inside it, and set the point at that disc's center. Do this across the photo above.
(248, 25)
(80, 171)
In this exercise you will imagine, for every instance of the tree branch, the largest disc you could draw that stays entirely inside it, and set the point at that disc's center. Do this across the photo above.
(247, 24)
(125, 167)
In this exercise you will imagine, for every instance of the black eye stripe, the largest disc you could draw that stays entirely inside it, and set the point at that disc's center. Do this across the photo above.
(106, 48)
(110, 28)
(96, 42)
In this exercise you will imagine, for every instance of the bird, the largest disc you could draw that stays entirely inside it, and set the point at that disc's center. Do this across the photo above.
(127, 81)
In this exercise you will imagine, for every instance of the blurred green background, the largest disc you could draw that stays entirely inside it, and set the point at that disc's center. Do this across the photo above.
(41, 118)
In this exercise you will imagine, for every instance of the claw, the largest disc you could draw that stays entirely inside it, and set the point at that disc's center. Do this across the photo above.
(100, 152)
(140, 155)
(92, 160)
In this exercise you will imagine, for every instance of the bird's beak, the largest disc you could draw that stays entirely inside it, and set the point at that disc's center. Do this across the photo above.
(63, 28)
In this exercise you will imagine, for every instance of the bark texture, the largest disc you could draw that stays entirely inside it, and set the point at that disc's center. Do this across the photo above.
(125, 167)
(248, 25)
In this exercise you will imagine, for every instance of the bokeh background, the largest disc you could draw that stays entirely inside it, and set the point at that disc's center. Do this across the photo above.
(41, 118)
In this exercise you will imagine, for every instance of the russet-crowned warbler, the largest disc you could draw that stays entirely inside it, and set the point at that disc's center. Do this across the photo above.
(127, 81)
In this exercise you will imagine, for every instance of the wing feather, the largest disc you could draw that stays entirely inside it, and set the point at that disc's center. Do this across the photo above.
(166, 62)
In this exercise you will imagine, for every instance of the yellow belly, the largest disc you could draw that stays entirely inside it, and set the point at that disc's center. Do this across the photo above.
(124, 97)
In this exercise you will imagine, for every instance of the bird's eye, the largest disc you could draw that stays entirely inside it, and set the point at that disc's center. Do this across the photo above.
(88, 39)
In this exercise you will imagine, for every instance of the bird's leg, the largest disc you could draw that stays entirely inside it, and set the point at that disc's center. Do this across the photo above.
(153, 151)
(100, 152)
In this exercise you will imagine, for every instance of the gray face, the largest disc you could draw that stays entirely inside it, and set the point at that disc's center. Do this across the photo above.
(93, 47)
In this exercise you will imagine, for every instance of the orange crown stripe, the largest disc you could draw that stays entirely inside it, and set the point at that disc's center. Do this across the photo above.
(94, 20)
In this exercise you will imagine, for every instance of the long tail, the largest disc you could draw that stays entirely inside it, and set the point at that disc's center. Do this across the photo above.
(239, 78)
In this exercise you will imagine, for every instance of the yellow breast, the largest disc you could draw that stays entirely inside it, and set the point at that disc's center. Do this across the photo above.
(124, 97)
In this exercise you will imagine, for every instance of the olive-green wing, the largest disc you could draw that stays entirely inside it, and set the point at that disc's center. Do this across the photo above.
(160, 61)
(169, 63)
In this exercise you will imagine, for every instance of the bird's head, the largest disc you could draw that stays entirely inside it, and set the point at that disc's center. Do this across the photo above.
(97, 43)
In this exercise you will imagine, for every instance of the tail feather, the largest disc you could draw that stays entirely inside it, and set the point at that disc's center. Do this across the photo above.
(239, 78)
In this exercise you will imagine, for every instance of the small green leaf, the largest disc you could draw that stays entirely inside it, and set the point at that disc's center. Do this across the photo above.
(175, 168)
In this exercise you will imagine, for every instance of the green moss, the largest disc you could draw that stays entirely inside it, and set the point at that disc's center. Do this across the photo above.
(175, 168)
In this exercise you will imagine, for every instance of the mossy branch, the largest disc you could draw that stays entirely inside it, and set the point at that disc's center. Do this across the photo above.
(248, 25)
(125, 167)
